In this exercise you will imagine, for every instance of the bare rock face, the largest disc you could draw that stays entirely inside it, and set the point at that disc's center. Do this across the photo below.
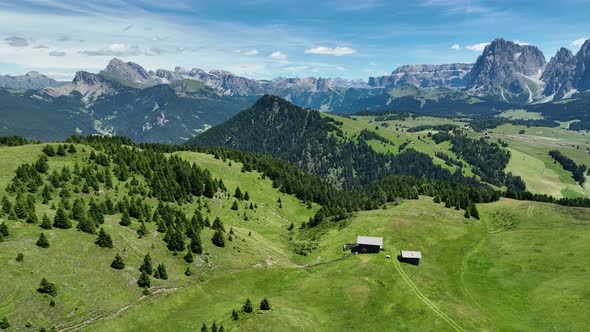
(90, 86)
(129, 72)
(582, 72)
(509, 70)
(567, 73)
(31, 80)
(559, 74)
(453, 75)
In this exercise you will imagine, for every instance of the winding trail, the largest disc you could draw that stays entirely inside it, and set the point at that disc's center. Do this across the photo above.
(424, 299)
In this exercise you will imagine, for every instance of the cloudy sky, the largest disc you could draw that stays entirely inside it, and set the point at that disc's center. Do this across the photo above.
(269, 38)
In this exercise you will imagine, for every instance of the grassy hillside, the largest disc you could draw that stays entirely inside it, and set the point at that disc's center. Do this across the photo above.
(521, 267)
(474, 276)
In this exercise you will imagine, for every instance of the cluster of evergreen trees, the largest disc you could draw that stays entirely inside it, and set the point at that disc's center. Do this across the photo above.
(578, 171)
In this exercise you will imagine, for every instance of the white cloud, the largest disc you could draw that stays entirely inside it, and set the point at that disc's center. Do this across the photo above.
(155, 51)
(337, 51)
(114, 50)
(455, 47)
(340, 68)
(251, 52)
(579, 42)
(57, 53)
(477, 47)
(278, 56)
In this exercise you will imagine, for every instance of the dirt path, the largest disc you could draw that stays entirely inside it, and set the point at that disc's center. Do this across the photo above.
(530, 211)
(424, 299)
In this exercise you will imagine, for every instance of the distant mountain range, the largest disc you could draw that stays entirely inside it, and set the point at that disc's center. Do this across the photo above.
(174, 105)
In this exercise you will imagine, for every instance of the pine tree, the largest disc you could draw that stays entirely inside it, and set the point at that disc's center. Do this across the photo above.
(61, 151)
(188, 271)
(235, 206)
(46, 194)
(144, 280)
(61, 219)
(4, 323)
(104, 239)
(221, 328)
(41, 165)
(196, 246)
(280, 203)
(20, 257)
(218, 225)
(214, 327)
(238, 193)
(87, 226)
(42, 241)
(473, 211)
(72, 149)
(6, 205)
(49, 151)
(4, 229)
(467, 214)
(142, 231)
(125, 219)
(156, 273)
(264, 305)
(46, 287)
(146, 266)
(218, 239)
(162, 271)
(204, 328)
(234, 315)
(247, 307)
(45, 222)
(246, 196)
(21, 208)
(189, 257)
(118, 263)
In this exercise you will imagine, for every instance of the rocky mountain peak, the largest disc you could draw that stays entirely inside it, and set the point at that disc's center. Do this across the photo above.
(128, 72)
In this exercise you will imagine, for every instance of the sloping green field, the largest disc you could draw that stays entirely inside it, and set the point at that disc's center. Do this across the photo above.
(522, 267)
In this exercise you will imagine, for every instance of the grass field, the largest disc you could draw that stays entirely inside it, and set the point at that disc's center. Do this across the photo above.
(531, 160)
(522, 267)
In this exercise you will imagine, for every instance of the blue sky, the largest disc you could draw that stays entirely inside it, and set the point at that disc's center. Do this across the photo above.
(270, 38)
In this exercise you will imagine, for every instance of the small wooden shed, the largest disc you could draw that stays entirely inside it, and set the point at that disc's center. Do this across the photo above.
(368, 244)
(411, 257)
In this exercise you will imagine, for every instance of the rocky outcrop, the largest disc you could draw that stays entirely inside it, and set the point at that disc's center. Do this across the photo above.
(453, 75)
(559, 74)
(30, 81)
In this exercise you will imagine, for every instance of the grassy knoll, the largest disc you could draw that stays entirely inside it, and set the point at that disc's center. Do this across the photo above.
(520, 114)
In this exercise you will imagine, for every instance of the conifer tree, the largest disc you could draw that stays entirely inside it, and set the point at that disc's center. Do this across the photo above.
(238, 194)
(48, 150)
(61, 219)
(118, 263)
(214, 327)
(218, 239)
(234, 315)
(196, 246)
(104, 239)
(87, 226)
(42, 241)
(20, 257)
(6, 205)
(189, 257)
(218, 225)
(188, 271)
(246, 196)
(142, 231)
(125, 219)
(235, 206)
(204, 328)
(221, 328)
(473, 211)
(4, 229)
(46, 194)
(144, 280)
(247, 307)
(264, 305)
(46, 287)
(72, 149)
(45, 222)
(146, 266)
(41, 165)
(156, 273)
(162, 271)
(4, 324)
(61, 151)
(21, 207)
